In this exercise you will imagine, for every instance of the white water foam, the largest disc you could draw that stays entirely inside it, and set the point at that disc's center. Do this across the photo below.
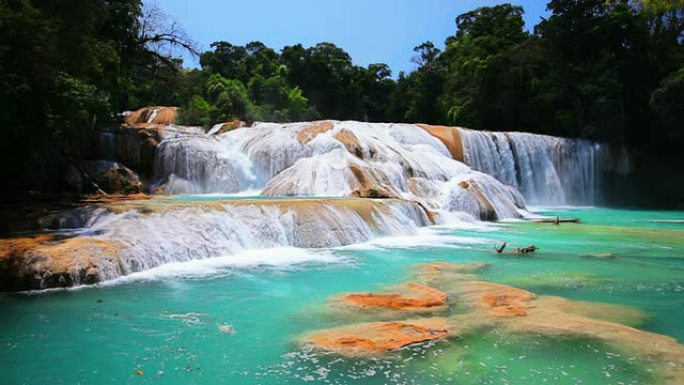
(277, 258)
(428, 237)
(545, 169)
(402, 159)
(544, 208)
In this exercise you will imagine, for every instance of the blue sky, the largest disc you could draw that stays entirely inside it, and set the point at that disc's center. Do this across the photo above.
(371, 31)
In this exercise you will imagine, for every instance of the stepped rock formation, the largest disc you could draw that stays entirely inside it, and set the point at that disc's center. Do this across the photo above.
(424, 173)
(331, 158)
(374, 160)
(126, 237)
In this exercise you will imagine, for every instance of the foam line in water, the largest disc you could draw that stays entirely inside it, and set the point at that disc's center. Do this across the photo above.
(277, 257)
(424, 238)
(281, 258)
(543, 208)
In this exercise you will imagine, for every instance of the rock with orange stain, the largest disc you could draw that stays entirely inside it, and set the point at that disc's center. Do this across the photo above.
(497, 300)
(10, 247)
(485, 208)
(372, 184)
(38, 262)
(153, 115)
(408, 297)
(378, 337)
(511, 310)
(350, 142)
(494, 299)
(507, 296)
(316, 128)
(227, 126)
(450, 136)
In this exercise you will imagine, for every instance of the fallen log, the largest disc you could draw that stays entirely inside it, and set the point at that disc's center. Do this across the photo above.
(557, 220)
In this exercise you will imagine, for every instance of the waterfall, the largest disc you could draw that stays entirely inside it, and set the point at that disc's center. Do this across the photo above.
(201, 164)
(348, 158)
(546, 169)
(107, 145)
(120, 239)
(331, 159)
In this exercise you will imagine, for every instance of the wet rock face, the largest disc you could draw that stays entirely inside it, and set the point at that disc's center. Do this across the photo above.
(111, 177)
(47, 261)
(222, 128)
(373, 160)
(450, 136)
(316, 128)
(133, 146)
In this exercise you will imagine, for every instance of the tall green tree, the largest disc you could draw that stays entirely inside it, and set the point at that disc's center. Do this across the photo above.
(67, 67)
(480, 90)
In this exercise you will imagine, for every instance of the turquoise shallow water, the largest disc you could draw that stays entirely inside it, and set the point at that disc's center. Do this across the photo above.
(167, 325)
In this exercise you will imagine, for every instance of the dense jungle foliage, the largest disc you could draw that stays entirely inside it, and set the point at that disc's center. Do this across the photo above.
(611, 70)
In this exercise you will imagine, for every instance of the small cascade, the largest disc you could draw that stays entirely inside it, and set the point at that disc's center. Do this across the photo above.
(546, 169)
(107, 145)
(124, 238)
(201, 164)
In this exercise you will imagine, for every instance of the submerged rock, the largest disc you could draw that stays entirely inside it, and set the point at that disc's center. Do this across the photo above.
(600, 256)
(379, 337)
(506, 309)
(558, 318)
(226, 329)
(408, 297)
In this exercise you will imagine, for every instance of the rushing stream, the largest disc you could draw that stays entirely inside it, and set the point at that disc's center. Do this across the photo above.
(236, 319)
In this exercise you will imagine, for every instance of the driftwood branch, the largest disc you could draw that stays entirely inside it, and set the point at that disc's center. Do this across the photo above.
(83, 172)
(557, 220)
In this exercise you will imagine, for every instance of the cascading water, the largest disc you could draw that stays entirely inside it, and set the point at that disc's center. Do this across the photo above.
(106, 145)
(546, 170)
(148, 234)
(420, 166)
(331, 159)
(201, 164)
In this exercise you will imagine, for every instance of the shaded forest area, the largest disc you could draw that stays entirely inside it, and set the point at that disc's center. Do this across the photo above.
(607, 70)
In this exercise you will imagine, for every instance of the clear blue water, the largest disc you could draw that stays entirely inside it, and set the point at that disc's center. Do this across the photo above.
(167, 325)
